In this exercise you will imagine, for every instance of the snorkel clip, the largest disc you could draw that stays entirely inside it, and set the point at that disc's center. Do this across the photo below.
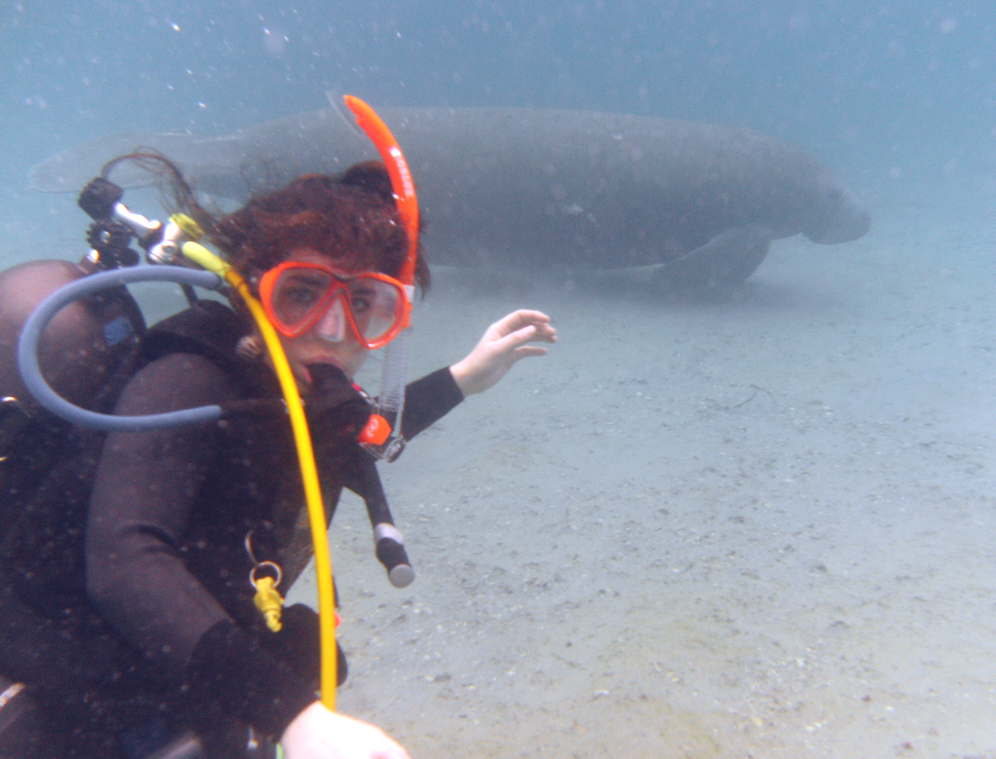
(377, 436)
(389, 449)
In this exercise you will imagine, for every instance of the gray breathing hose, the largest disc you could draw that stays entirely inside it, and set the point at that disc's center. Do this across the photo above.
(34, 327)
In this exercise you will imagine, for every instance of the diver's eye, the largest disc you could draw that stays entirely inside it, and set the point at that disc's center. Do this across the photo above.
(301, 297)
(362, 301)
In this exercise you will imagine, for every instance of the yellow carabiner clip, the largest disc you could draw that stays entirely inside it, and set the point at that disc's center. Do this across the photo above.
(268, 599)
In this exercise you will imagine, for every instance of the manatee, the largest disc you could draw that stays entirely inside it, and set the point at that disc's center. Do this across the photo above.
(676, 203)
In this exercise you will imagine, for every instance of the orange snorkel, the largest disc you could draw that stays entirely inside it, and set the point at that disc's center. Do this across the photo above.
(401, 178)
(379, 438)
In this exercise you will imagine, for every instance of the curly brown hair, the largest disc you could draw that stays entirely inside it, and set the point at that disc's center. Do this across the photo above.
(352, 219)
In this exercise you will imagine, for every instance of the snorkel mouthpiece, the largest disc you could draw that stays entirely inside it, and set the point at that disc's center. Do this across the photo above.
(334, 403)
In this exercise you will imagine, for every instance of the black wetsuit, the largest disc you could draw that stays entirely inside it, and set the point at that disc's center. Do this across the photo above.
(126, 606)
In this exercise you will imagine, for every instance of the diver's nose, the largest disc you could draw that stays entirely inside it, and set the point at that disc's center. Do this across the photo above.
(331, 326)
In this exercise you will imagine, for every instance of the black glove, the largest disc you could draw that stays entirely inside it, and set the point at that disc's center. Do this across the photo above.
(298, 644)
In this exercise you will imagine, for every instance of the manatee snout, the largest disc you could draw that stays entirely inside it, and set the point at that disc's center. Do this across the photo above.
(845, 220)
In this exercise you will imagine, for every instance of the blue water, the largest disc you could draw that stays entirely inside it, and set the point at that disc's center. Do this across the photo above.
(877, 90)
(842, 78)
(877, 417)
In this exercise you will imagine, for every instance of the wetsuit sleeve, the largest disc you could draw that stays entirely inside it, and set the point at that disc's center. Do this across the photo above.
(428, 400)
(146, 486)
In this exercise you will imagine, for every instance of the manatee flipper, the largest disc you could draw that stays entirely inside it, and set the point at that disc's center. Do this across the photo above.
(727, 259)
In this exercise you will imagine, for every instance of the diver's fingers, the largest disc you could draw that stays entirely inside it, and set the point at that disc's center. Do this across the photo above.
(494, 356)
(530, 350)
(523, 335)
(545, 333)
(512, 342)
(518, 319)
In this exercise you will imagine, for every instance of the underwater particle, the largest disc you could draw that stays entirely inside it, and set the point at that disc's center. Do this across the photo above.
(274, 42)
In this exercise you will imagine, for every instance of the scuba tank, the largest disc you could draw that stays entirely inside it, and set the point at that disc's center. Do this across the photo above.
(86, 345)
(83, 344)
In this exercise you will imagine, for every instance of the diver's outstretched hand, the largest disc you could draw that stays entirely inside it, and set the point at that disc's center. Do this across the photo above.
(504, 343)
(317, 733)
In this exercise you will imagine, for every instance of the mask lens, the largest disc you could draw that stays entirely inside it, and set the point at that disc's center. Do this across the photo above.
(299, 294)
(376, 305)
(296, 296)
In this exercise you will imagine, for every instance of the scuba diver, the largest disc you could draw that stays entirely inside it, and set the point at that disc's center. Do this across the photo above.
(129, 620)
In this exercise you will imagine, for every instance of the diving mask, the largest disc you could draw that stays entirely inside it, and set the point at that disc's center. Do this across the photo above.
(296, 295)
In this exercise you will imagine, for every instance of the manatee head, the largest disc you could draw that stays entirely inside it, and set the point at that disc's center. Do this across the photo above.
(838, 217)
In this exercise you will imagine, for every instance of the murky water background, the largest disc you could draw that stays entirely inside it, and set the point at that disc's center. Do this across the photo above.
(759, 525)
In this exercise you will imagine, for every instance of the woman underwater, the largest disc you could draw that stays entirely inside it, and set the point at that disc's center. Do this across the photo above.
(125, 607)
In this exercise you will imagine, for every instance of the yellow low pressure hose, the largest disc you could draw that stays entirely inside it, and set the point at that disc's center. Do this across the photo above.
(306, 459)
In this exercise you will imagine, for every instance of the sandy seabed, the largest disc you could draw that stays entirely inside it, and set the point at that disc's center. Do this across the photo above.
(757, 525)
(754, 525)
